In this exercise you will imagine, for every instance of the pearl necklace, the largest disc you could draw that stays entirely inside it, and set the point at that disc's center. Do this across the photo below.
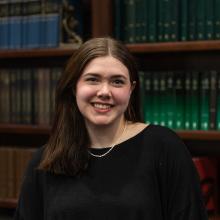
(111, 148)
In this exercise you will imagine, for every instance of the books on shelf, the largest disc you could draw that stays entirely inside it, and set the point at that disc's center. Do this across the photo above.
(27, 95)
(181, 99)
(36, 23)
(13, 163)
(139, 21)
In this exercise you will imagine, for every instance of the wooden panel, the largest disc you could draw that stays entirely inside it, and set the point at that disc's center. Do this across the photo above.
(211, 45)
(102, 18)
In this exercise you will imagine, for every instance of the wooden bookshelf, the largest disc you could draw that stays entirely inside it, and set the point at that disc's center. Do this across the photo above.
(36, 53)
(24, 129)
(176, 55)
(45, 130)
(169, 47)
(199, 135)
(8, 203)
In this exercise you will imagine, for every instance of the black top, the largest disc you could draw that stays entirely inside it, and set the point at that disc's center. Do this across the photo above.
(149, 177)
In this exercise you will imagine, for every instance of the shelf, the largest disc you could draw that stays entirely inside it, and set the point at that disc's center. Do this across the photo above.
(167, 47)
(189, 46)
(35, 53)
(200, 135)
(8, 203)
(45, 130)
(24, 129)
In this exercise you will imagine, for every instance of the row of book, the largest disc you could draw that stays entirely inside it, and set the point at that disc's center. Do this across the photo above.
(27, 95)
(13, 162)
(166, 20)
(31, 23)
(181, 99)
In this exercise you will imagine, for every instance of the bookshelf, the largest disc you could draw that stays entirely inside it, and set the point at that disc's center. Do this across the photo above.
(184, 55)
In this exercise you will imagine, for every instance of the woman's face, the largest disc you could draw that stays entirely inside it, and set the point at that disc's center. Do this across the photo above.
(103, 91)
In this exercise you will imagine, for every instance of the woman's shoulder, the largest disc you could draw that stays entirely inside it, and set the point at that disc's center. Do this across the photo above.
(166, 139)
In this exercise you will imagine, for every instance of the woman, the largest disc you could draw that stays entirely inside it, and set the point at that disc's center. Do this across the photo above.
(101, 162)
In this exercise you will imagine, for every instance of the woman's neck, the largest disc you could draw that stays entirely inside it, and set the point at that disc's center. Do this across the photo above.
(106, 135)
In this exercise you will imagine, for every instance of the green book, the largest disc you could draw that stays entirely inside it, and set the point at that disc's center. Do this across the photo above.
(156, 98)
(200, 20)
(152, 18)
(174, 20)
(170, 99)
(204, 100)
(179, 100)
(129, 24)
(138, 20)
(166, 20)
(160, 20)
(209, 15)
(187, 109)
(192, 19)
(163, 101)
(213, 99)
(144, 20)
(218, 103)
(195, 101)
(217, 19)
(184, 20)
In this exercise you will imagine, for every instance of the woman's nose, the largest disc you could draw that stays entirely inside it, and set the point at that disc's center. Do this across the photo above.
(104, 91)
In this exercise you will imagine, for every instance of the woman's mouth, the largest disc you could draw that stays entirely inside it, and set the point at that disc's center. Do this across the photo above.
(102, 106)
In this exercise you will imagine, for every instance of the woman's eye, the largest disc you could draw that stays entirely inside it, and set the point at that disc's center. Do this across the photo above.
(118, 82)
(92, 79)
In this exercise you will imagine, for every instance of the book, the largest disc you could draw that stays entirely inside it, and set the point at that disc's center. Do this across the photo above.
(4, 27)
(204, 100)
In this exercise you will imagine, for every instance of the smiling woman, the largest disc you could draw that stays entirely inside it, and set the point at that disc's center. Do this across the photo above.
(101, 161)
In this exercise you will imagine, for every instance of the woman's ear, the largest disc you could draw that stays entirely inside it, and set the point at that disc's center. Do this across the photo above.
(133, 84)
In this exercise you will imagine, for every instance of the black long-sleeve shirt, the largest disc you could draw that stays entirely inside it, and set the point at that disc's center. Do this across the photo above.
(149, 177)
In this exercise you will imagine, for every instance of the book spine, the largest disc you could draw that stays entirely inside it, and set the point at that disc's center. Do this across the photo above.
(52, 23)
(163, 101)
(174, 21)
(188, 112)
(195, 101)
(170, 99)
(4, 24)
(209, 15)
(152, 20)
(144, 21)
(167, 17)
(156, 98)
(192, 19)
(200, 20)
(15, 16)
(218, 102)
(179, 102)
(213, 99)
(33, 23)
(184, 20)
(204, 100)
(217, 19)
(24, 24)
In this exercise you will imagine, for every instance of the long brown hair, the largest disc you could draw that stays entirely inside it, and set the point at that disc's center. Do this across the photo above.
(66, 150)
